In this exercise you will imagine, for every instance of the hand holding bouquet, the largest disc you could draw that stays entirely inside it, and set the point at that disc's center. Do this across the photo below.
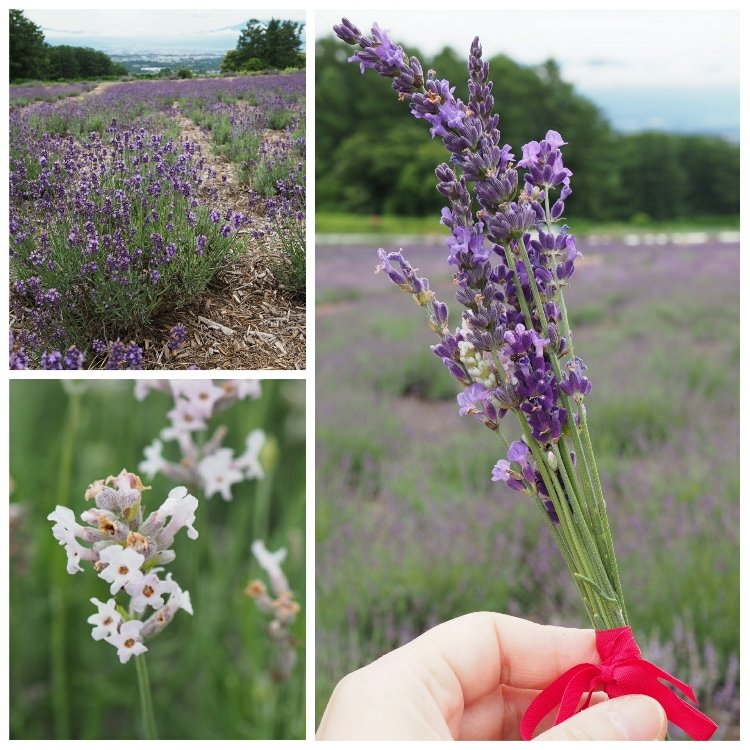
(514, 352)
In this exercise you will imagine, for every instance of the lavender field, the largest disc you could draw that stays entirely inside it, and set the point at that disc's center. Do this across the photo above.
(410, 529)
(159, 224)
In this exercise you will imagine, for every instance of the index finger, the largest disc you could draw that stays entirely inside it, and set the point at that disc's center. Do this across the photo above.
(477, 652)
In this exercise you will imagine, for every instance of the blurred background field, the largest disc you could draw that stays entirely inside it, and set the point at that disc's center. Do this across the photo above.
(410, 529)
(210, 673)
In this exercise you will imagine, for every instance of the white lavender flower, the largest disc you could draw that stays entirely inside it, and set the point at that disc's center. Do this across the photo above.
(281, 608)
(125, 551)
(106, 620)
(127, 640)
(204, 464)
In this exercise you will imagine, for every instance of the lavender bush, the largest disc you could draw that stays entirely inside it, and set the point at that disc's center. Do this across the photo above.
(125, 237)
(21, 95)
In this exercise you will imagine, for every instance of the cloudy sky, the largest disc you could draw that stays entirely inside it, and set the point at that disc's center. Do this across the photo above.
(596, 49)
(670, 69)
(156, 30)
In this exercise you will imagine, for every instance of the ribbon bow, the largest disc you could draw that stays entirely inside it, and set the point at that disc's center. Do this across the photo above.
(622, 672)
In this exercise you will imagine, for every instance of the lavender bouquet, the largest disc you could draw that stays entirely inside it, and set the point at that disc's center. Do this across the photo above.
(514, 352)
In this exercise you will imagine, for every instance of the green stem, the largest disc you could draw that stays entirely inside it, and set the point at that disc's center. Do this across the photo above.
(576, 560)
(263, 493)
(614, 617)
(519, 288)
(586, 452)
(147, 706)
(60, 576)
(614, 571)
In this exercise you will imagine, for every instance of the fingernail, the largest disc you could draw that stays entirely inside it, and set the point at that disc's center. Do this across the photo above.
(638, 716)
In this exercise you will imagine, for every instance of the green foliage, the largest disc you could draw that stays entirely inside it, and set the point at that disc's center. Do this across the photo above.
(65, 62)
(372, 157)
(252, 65)
(211, 672)
(273, 44)
(26, 47)
(32, 57)
(184, 73)
(290, 270)
(278, 119)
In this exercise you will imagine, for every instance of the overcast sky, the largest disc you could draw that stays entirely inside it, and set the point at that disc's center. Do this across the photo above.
(64, 26)
(602, 49)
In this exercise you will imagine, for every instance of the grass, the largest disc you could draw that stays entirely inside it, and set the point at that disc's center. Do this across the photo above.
(327, 222)
(209, 673)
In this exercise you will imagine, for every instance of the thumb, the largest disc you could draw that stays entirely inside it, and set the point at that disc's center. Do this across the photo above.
(631, 717)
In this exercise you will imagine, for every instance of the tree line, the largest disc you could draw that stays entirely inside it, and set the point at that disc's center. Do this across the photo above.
(32, 58)
(372, 157)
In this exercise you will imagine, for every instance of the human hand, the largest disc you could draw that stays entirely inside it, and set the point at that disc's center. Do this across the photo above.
(472, 678)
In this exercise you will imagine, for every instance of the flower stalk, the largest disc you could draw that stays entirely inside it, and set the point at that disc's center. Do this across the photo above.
(147, 706)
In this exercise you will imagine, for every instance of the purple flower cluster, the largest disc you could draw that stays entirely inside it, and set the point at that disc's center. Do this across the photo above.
(177, 336)
(509, 263)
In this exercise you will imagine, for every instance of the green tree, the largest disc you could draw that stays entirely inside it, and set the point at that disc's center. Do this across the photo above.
(63, 62)
(231, 62)
(28, 52)
(276, 44)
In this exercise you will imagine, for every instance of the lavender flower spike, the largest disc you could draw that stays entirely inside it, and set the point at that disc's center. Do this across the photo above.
(127, 551)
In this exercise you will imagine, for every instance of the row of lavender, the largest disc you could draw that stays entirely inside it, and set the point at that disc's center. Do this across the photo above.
(22, 95)
(115, 218)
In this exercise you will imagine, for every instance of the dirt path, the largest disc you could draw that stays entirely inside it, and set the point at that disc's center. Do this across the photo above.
(103, 86)
(245, 320)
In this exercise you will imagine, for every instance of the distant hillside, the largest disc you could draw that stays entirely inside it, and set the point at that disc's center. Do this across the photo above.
(705, 112)
(139, 63)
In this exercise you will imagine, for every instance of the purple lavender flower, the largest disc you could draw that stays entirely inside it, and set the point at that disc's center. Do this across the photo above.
(471, 401)
(576, 383)
(51, 360)
(18, 359)
(73, 359)
(177, 335)
(543, 161)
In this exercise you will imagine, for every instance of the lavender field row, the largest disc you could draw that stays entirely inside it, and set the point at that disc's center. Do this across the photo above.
(145, 235)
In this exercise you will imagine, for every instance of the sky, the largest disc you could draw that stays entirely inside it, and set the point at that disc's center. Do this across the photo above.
(151, 30)
(676, 70)
(596, 49)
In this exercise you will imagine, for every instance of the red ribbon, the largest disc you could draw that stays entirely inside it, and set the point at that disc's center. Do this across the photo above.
(621, 672)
